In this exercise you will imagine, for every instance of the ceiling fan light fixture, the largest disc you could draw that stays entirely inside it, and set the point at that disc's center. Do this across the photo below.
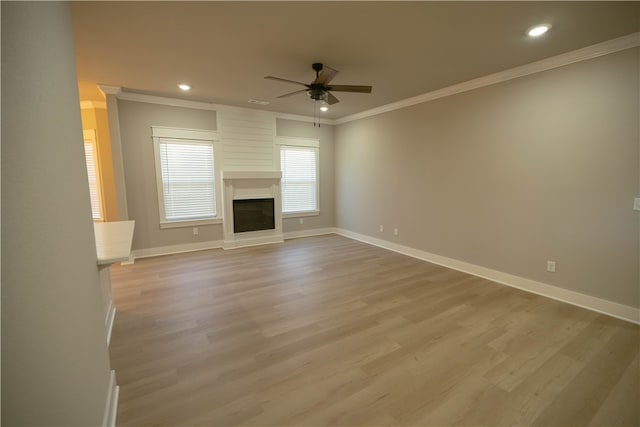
(317, 93)
(324, 107)
(184, 87)
(538, 30)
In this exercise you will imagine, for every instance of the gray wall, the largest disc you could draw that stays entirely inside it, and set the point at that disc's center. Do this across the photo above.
(136, 119)
(509, 176)
(323, 133)
(55, 365)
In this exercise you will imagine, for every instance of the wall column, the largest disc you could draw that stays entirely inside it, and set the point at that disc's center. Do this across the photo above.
(55, 361)
(110, 94)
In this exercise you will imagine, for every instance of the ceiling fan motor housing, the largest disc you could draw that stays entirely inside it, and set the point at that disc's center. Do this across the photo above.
(317, 92)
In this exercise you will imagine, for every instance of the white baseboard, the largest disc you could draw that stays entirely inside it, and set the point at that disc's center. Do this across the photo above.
(111, 315)
(216, 244)
(130, 261)
(620, 311)
(252, 241)
(308, 233)
(111, 406)
(175, 249)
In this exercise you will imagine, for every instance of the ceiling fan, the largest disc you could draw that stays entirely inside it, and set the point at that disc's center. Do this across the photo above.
(320, 89)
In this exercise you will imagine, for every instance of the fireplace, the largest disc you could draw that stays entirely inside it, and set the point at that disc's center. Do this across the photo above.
(252, 208)
(253, 215)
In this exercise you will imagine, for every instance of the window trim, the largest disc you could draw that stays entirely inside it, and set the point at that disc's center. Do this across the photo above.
(159, 133)
(90, 138)
(298, 142)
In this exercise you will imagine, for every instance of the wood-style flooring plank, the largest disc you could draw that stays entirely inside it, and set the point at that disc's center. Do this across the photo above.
(330, 331)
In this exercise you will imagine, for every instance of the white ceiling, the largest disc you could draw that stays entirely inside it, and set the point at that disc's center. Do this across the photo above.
(402, 49)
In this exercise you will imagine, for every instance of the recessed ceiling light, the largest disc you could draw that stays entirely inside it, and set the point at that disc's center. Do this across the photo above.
(257, 101)
(184, 87)
(538, 30)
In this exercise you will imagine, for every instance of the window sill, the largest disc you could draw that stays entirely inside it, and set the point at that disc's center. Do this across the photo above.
(178, 224)
(300, 214)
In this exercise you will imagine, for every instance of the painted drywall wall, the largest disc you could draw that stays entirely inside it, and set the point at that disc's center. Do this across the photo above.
(96, 119)
(509, 176)
(120, 188)
(324, 134)
(136, 119)
(55, 362)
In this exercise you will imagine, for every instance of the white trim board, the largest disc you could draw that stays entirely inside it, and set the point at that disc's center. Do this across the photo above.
(175, 249)
(109, 321)
(215, 244)
(297, 141)
(600, 49)
(308, 233)
(620, 311)
(109, 90)
(181, 133)
(199, 105)
(252, 241)
(111, 406)
(584, 54)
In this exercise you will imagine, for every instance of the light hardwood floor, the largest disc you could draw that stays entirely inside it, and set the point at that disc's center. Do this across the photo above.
(330, 331)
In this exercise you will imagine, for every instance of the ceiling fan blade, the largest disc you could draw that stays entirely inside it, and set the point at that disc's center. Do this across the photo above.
(350, 88)
(326, 75)
(292, 93)
(286, 80)
(331, 99)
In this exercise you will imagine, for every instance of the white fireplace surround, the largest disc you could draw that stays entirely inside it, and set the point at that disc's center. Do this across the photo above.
(243, 185)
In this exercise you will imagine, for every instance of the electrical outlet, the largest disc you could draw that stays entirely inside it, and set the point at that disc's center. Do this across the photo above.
(195, 231)
(381, 228)
(551, 266)
(395, 231)
(301, 220)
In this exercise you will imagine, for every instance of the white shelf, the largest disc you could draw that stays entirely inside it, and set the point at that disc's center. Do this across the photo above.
(113, 241)
(251, 175)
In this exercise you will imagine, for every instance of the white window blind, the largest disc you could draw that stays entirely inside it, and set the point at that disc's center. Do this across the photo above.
(94, 182)
(299, 178)
(188, 180)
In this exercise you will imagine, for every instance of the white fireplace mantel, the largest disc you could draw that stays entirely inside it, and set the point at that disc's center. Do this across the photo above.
(251, 175)
(242, 185)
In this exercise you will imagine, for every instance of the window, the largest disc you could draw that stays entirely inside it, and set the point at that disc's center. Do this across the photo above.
(185, 174)
(91, 157)
(299, 165)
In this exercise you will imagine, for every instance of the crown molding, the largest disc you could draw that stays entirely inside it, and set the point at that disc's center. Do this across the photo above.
(163, 100)
(584, 54)
(199, 105)
(109, 90)
(601, 49)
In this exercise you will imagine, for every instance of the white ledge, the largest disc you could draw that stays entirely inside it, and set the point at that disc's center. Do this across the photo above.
(113, 241)
(251, 175)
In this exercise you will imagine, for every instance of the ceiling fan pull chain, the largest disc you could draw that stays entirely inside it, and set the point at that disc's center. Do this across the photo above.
(316, 119)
